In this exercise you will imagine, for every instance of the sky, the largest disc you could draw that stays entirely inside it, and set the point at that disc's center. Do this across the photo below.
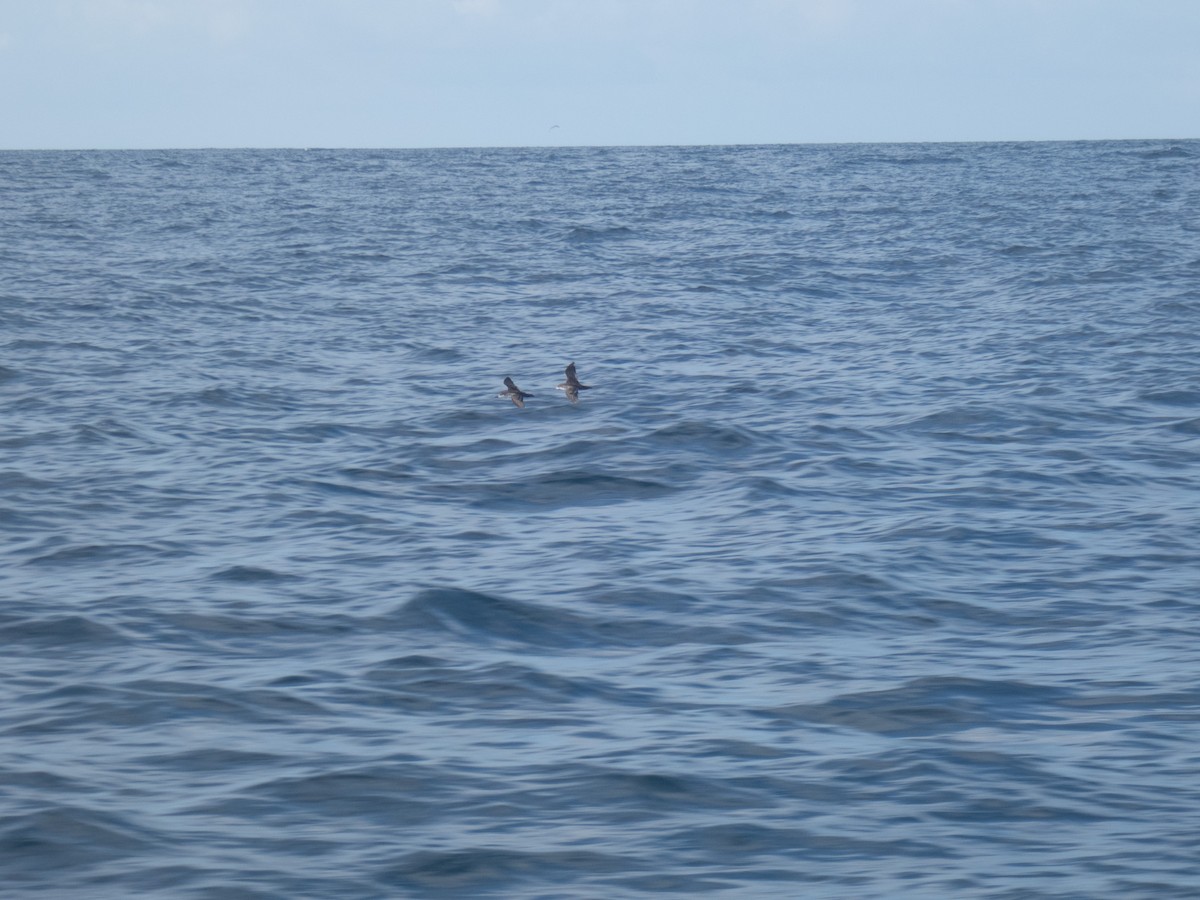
(102, 74)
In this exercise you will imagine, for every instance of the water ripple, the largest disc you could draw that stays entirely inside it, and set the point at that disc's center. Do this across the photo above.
(865, 568)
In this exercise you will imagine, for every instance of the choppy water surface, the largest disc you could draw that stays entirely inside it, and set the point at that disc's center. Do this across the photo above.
(867, 567)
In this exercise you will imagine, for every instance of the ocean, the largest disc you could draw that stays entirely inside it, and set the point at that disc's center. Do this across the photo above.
(868, 566)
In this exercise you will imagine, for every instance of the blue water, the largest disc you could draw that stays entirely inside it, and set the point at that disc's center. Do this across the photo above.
(868, 567)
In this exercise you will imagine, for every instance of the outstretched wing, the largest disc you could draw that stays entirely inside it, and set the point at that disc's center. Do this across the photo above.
(572, 378)
(508, 383)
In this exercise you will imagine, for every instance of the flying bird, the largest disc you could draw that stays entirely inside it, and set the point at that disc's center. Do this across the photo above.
(514, 393)
(571, 386)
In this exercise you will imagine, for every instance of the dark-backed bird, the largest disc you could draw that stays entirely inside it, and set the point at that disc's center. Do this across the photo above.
(571, 386)
(514, 393)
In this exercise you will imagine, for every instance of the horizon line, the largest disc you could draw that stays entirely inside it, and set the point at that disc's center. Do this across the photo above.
(631, 146)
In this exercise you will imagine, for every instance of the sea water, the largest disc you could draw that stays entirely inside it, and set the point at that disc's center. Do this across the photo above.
(867, 566)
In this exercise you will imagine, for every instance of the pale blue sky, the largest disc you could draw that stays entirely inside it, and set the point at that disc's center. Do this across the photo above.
(436, 73)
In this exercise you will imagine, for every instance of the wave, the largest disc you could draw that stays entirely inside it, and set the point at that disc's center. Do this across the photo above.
(228, 397)
(560, 489)
(1180, 397)
(486, 619)
(922, 706)
(477, 870)
(60, 630)
(1176, 151)
(244, 574)
(707, 437)
(66, 838)
(159, 703)
(91, 554)
(592, 234)
(436, 685)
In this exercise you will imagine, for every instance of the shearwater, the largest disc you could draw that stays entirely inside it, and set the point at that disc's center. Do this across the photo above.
(571, 386)
(514, 393)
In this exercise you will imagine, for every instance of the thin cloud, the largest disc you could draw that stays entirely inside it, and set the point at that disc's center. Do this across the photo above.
(477, 9)
(222, 21)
